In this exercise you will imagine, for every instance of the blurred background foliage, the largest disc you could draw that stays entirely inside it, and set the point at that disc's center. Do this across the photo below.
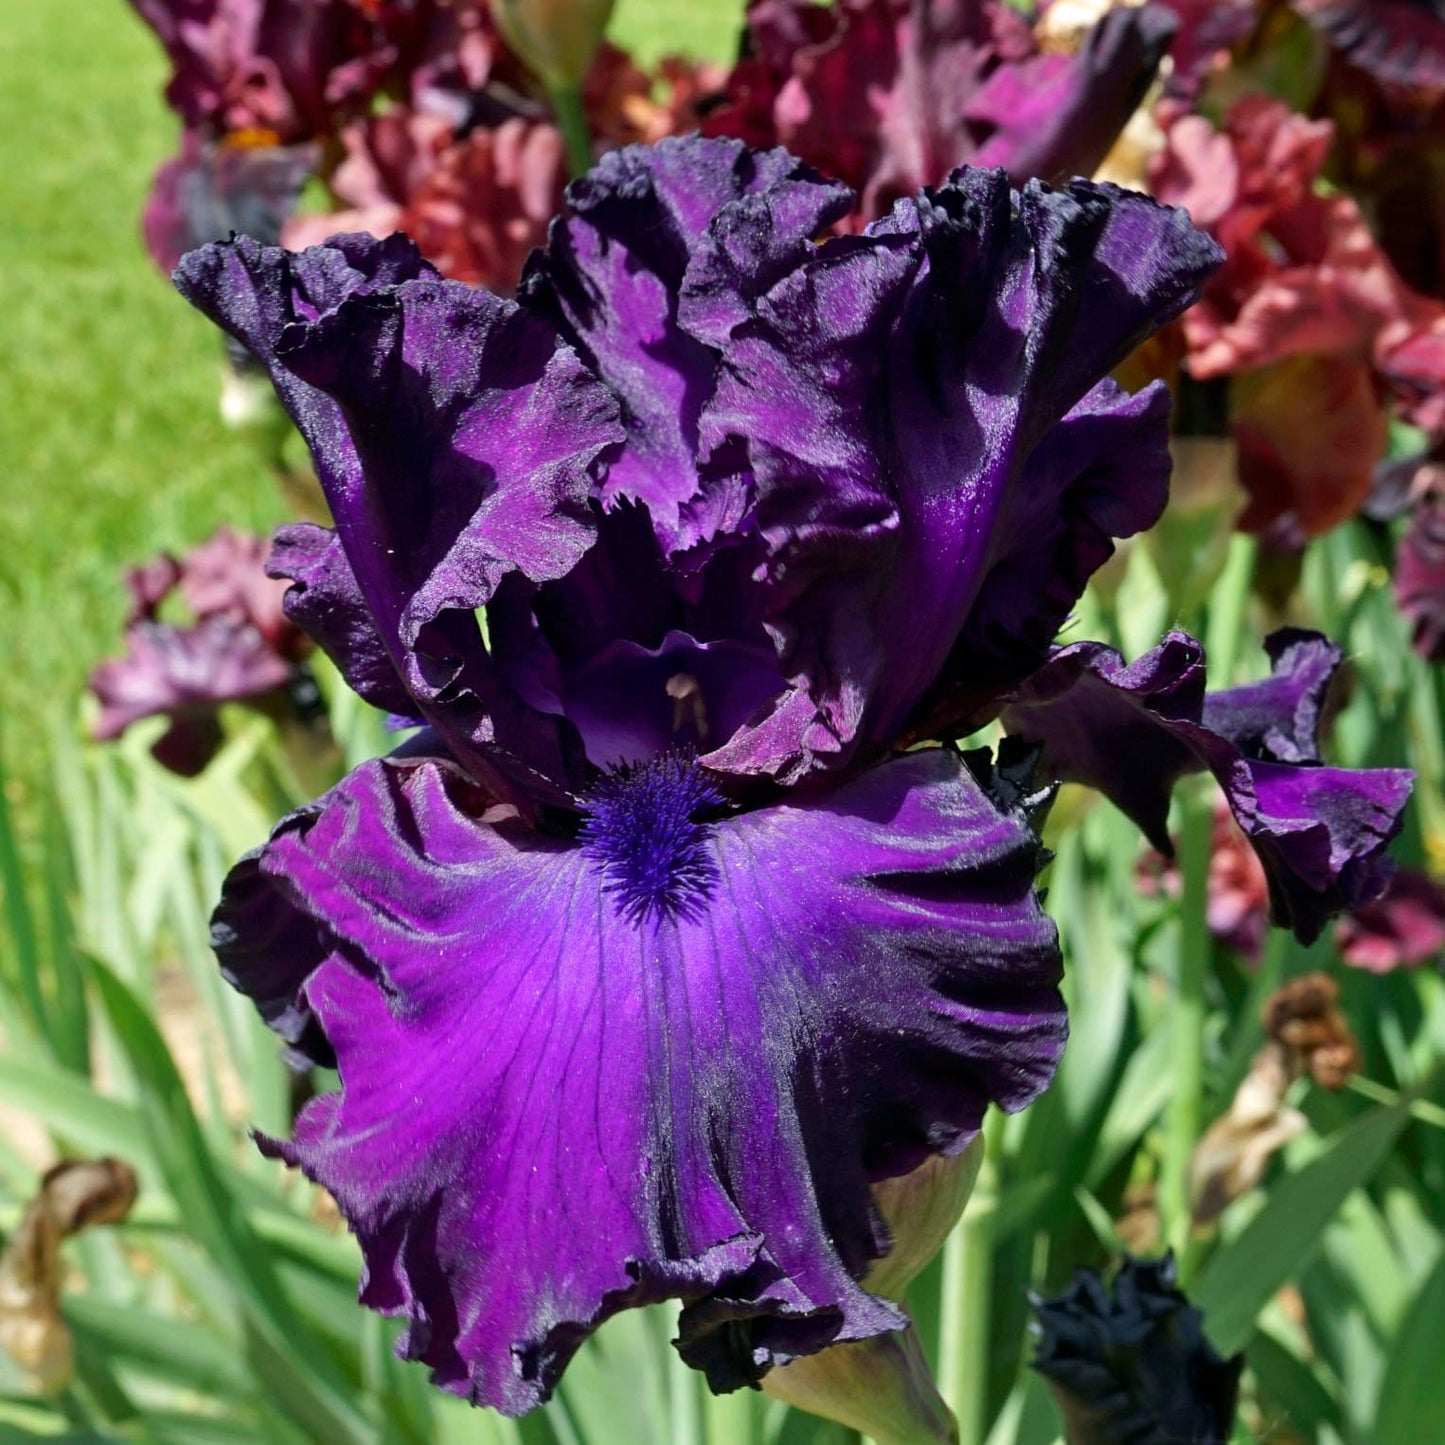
(224, 1309)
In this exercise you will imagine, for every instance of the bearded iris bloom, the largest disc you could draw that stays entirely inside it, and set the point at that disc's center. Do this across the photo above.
(651, 951)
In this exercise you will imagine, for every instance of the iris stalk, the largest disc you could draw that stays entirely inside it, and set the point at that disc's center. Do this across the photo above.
(1196, 842)
(1227, 609)
(572, 122)
(964, 1328)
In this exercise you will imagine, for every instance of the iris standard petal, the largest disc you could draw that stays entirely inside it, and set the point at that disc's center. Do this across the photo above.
(1132, 730)
(663, 1059)
(326, 602)
(406, 388)
(611, 278)
(898, 395)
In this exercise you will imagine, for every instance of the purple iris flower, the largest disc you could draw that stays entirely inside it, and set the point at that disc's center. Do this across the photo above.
(650, 952)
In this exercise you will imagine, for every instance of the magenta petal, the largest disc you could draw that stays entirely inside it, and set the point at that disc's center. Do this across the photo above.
(1420, 571)
(1132, 730)
(555, 1104)
(1055, 116)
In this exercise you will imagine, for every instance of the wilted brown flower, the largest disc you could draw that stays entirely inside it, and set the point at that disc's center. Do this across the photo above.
(74, 1195)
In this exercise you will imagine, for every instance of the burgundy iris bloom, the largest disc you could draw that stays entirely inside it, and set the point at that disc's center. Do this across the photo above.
(649, 952)
(891, 95)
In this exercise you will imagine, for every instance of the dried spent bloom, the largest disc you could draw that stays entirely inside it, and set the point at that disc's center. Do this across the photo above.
(647, 956)
(75, 1194)
(240, 647)
(1128, 1362)
(1305, 1035)
(1235, 1150)
(892, 95)
(1303, 1017)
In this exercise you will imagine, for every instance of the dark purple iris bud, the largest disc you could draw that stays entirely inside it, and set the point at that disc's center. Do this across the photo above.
(1129, 1363)
(646, 955)
(892, 95)
(240, 647)
(1132, 730)
(1401, 43)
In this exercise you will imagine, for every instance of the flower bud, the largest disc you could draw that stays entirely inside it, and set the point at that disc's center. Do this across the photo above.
(920, 1210)
(556, 39)
(1129, 1360)
(880, 1387)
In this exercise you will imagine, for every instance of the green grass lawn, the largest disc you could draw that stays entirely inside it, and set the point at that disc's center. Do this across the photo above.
(110, 443)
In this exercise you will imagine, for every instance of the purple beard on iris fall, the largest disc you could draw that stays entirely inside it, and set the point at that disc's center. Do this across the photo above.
(650, 952)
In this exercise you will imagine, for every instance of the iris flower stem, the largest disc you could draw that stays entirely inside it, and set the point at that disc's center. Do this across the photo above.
(964, 1323)
(1196, 840)
(730, 1418)
(572, 122)
(1228, 602)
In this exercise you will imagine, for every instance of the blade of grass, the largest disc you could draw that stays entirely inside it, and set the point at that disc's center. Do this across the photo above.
(313, 1391)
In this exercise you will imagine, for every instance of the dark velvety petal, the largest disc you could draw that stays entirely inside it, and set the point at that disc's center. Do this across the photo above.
(631, 703)
(185, 672)
(1111, 725)
(268, 949)
(325, 600)
(1279, 718)
(1132, 730)
(406, 388)
(1101, 474)
(1057, 116)
(903, 399)
(666, 1059)
(612, 275)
